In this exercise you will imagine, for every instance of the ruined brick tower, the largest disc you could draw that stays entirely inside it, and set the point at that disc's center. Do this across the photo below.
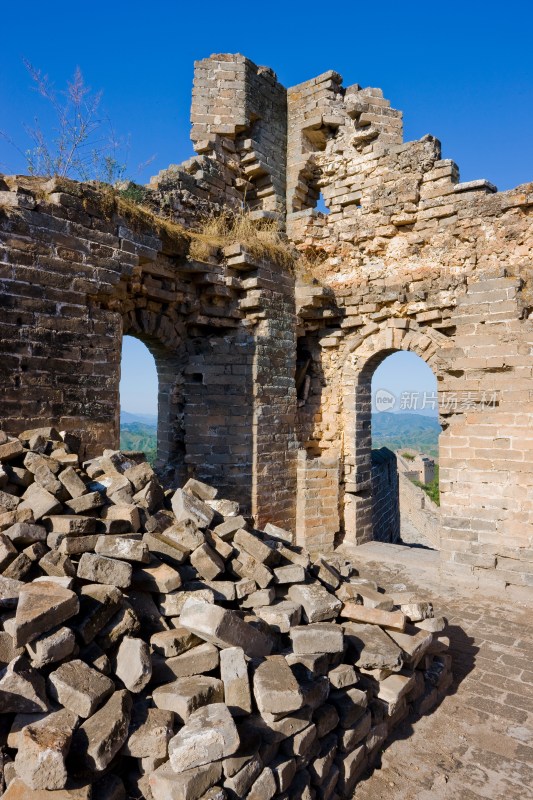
(264, 374)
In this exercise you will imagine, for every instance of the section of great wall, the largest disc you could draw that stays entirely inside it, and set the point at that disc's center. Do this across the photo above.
(265, 345)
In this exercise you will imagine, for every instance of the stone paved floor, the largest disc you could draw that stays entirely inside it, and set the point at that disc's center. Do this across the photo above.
(478, 743)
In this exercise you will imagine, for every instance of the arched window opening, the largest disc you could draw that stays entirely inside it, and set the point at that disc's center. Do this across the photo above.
(405, 451)
(139, 387)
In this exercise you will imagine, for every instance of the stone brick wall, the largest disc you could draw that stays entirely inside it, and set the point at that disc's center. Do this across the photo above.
(385, 496)
(75, 275)
(420, 510)
(317, 512)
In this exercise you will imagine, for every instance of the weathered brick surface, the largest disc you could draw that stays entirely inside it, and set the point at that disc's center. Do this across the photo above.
(264, 377)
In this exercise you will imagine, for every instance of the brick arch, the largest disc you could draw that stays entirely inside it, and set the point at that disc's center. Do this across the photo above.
(361, 358)
(165, 339)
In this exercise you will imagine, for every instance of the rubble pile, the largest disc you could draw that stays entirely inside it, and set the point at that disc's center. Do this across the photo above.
(155, 645)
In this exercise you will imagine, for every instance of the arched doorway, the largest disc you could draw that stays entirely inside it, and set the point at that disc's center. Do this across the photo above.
(360, 365)
(405, 451)
(138, 398)
(152, 381)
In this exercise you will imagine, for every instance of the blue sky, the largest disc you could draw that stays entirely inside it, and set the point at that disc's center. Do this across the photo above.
(460, 71)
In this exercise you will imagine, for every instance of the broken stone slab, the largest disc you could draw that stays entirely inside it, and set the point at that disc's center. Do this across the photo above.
(196, 661)
(98, 740)
(188, 507)
(149, 733)
(246, 566)
(365, 595)
(350, 737)
(240, 782)
(171, 604)
(122, 548)
(234, 675)
(313, 665)
(185, 695)
(41, 502)
(259, 598)
(326, 574)
(413, 642)
(101, 569)
(9, 502)
(227, 529)
(371, 648)
(281, 616)
(139, 475)
(42, 606)
(291, 573)
(318, 604)
(86, 502)
(202, 491)
(156, 577)
(209, 735)
(173, 642)
(124, 623)
(22, 688)
(276, 690)
(55, 645)
(433, 624)
(350, 704)
(10, 449)
(98, 603)
(133, 664)
(253, 545)
(9, 592)
(224, 628)
(223, 591)
(165, 784)
(394, 687)
(25, 533)
(342, 676)
(79, 688)
(70, 525)
(129, 514)
(375, 616)
(319, 637)
(56, 564)
(244, 587)
(207, 562)
(72, 482)
(18, 568)
(72, 545)
(326, 719)
(42, 749)
(275, 532)
(8, 651)
(264, 787)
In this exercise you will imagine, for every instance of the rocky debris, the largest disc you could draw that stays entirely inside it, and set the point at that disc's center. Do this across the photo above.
(154, 644)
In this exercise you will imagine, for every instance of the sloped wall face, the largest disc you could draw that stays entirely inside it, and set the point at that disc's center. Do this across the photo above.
(78, 271)
(409, 258)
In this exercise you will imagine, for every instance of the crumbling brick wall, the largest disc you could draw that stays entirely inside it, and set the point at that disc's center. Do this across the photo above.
(408, 258)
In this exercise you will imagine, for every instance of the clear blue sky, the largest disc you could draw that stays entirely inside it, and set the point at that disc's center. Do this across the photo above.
(460, 71)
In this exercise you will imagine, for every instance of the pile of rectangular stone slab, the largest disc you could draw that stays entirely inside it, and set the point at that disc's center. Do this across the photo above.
(153, 644)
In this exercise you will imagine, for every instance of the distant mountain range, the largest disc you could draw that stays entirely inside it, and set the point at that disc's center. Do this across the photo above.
(147, 419)
(392, 430)
(396, 430)
(139, 432)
